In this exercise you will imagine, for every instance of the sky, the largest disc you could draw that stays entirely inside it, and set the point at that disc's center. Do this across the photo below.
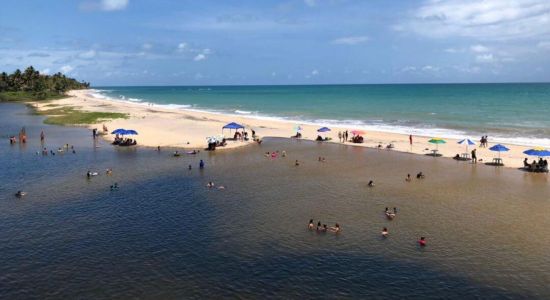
(189, 42)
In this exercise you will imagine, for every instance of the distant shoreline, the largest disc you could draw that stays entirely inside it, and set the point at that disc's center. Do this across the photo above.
(189, 129)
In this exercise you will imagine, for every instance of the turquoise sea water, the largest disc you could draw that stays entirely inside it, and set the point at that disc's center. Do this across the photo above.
(510, 113)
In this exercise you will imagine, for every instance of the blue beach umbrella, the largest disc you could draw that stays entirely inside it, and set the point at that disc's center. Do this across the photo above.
(131, 132)
(538, 151)
(468, 142)
(499, 148)
(119, 131)
(323, 129)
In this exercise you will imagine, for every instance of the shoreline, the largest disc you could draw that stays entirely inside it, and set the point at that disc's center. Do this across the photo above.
(187, 128)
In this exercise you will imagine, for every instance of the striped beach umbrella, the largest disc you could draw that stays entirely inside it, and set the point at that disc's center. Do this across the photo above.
(467, 142)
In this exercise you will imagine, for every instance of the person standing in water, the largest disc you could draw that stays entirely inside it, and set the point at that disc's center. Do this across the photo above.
(42, 136)
(201, 164)
(474, 156)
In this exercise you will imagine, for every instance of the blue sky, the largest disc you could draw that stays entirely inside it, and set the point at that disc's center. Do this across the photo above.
(186, 42)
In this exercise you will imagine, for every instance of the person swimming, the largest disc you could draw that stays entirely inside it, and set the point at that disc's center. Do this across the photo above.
(297, 163)
(190, 167)
(371, 183)
(422, 241)
(395, 210)
(109, 171)
(408, 179)
(20, 194)
(324, 229)
(201, 164)
(114, 187)
(310, 225)
(420, 175)
(210, 184)
(385, 232)
(89, 174)
(335, 228)
(176, 153)
(283, 153)
(318, 225)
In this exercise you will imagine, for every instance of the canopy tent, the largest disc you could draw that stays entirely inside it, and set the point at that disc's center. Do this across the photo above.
(357, 132)
(233, 125)
(538, 151)
(323, 129)
(499, 148)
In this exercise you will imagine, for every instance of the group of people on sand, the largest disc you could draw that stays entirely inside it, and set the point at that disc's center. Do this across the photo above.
(536, 166)
(343, 136)
(484, 141)
(323, 228)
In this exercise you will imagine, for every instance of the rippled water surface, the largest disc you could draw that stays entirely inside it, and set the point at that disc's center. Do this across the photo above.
(164, 235)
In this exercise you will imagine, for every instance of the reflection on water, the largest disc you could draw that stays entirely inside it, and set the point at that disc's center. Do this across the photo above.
(163, 234)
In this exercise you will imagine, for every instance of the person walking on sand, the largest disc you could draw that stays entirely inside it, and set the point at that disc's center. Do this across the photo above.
(410, 139)
(42, 136)
(340, 136)
(474, 156)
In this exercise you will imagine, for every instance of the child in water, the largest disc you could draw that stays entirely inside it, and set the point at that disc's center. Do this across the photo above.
(385, 232)
(310, 225)
(422, 241)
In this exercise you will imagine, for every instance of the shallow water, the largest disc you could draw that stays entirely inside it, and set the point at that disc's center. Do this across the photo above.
(164, 235)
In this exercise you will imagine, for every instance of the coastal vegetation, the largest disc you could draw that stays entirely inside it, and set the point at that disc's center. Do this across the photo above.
(71, 116)
(31, 85)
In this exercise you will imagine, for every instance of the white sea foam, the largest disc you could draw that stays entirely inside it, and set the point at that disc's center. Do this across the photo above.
(243, 112)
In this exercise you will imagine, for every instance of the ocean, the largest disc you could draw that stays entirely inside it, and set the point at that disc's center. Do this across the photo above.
(514, 113)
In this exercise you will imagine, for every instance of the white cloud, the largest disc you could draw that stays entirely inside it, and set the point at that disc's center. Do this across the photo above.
(66, 69)
(182, 47)
(199, 57)
(273, 74)
(489, 19)
(46, 71)
(408, 69)
(110, 5)
(315, 72)
(479, 48)
(486, 58)
(87, 55)
(350, 40)
(147, 46)
(310, 3)
(429, 68)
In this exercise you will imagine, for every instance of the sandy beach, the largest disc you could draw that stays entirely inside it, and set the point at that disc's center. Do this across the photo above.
(190, 129)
